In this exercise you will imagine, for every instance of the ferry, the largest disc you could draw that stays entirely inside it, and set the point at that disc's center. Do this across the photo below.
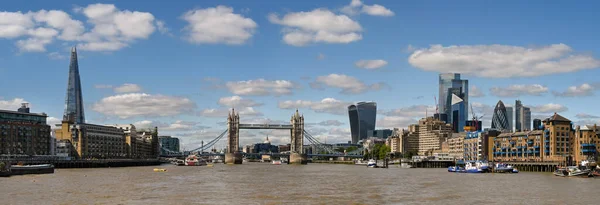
(276, 162)
(372, 164)
(193, 160)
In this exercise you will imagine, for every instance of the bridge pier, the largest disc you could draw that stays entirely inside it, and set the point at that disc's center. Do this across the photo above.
(233, 158)
(297, 158)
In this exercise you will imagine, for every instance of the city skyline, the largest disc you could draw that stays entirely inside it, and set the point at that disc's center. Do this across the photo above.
(169, 70)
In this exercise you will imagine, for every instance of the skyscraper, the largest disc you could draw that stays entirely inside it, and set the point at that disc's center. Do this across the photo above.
(74, 100)
(450, 83)
(362, 119)
(459, 116)
(518, 108)
(526, 115)
(500, 118)
(522, 117)
(509, 114)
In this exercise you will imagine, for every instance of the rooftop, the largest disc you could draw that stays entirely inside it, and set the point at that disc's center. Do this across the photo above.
(24, 113)
(556, 117)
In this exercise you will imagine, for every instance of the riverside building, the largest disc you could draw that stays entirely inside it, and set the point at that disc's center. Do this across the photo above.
(24, 133)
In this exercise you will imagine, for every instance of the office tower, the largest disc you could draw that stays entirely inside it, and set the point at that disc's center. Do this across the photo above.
(522, 117)
(509, 115)
(362, 119)
(74, 101)
(459, 116)
(518, 108)
(537, 124)
(500, 118)
(450, 83)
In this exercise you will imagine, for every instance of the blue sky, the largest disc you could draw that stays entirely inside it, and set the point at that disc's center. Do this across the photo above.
(182, 66)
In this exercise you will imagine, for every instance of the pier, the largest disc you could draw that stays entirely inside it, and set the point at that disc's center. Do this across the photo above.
(89, 163)
(534, 166)
(431, 164)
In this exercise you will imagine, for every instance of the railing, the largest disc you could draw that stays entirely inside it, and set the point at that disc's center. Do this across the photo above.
(264, 126)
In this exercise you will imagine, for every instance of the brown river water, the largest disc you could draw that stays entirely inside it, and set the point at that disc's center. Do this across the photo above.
(262, 183)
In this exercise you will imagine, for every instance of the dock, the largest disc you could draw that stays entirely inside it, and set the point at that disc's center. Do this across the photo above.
(97, 163)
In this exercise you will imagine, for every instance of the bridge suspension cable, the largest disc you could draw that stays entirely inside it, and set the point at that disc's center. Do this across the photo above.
(211, 143)
(316, 142)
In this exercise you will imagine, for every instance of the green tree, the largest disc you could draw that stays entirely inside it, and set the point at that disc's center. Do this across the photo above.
(351, 149)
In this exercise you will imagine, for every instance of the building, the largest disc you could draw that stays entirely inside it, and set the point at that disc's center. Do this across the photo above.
(248, 149)
(537, 124)
(450, 83)
(168, 143)
(383, 134)
(97, 141)
(395, 143)
(432, 133)
(284, 148)
(500, 118)
(64, 148)
(558, 139)
(410, 139)
(362, 119)
(265, 147)
(518, 146)
(455, 145)
(74, 100)
(24, 133)
(476, 145)
(511, 120)
(458, 115)
(474, 125)
(587, 143)
(522, 117)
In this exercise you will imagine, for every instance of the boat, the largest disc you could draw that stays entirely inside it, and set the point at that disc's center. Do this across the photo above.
(193, 160)
(180, 163)
(452, 168)
(276, 162)
(596, 171)
(360, 162)
(505, 168)
(209, 165)
(32, 169)
(160, 170)
(470, 167)
(372, 164)
(572, 171)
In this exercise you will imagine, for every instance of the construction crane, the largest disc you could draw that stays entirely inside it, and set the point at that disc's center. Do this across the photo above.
(475, 118)
(436, 107)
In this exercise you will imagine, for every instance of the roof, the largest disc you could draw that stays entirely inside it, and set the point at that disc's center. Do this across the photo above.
(24, 113)
(557, 117)
(524, 133)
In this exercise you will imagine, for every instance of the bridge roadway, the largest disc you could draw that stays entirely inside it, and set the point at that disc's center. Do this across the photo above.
(266, 126)
(275, 155)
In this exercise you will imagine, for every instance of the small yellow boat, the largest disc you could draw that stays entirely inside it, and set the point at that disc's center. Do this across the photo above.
(209, 165)
(160, 170)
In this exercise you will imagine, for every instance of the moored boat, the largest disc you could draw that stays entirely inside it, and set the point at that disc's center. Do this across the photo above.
(193, 160)
(372, 164)
(505, 168)
(572, 171)
(470, 167)
(452, 168)
(32, 169)
(276, 162)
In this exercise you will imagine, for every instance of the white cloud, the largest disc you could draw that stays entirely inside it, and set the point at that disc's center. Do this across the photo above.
(414, 111)
(501, 61)
(223, 112)
(330, 123)
(548, 108)
(395, 122)
(586, 116)
(370, 64)
(519, 90)
(578, 91)
(162, 27)
(327, 105)
(128, 88)
(348, 84)
(475, 92)
(52, 121)
(237, 101)
(12, 105)
(261, 87)
(218, 25)
(177, 126)
(317, 26)
(356, 7)
(111, 29)
(142, 104)
(56, 56)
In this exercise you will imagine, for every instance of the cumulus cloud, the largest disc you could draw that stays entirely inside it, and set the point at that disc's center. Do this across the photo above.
(217, 25)
(356, 7)
(327, 105)
(330, 123)
(317, 26)
(370, 64)
(501, 61)
(475, 92)
(348, 84)
(111, 28)
(414, 111)
(519, 90)
(223, 112)
(56, 56)
(12, 105)
(548, 108)
(177, 126)
(261, 87)
(237, 101)
(142, 104)
(128, 88)
(395, 122)
(52, 121)
(586, 116)
(578, 91)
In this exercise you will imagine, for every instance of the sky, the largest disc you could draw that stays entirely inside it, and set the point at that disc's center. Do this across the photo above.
(182, 66)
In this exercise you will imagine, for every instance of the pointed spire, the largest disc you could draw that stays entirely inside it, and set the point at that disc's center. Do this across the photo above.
(73, 49)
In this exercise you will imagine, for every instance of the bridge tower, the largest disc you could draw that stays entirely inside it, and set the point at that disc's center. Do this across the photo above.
(297, 155)
(233, 155)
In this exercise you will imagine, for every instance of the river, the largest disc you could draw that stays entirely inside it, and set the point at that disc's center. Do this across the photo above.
(261, 183)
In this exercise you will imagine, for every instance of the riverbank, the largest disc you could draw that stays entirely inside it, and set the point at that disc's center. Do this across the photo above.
(332, 162)
(103, 163)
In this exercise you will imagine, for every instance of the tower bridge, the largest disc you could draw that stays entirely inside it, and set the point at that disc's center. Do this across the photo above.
(297, 136)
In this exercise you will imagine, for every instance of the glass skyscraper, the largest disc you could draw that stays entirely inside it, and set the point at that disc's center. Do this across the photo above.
(74, 100)
(522, 117)
(362, 119)
(459, 116)
(450, 83)
(500, 118)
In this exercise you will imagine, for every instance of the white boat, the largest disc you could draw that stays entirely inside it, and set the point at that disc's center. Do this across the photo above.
(470, 168)
(372, 164)
(572, 171)
(276, 162)
(505, 168)
(193, 160)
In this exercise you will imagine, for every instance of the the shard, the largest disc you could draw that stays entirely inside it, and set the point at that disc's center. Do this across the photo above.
(74, 100)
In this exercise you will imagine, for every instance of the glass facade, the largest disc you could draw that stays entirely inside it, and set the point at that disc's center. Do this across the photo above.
(74, 100)
(500, 118)
(169, 143)
(450, 83)
(459, 116)
(362, 119)
(509, 115)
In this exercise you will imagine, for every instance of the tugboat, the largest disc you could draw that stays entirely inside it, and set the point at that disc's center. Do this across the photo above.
(372, 164)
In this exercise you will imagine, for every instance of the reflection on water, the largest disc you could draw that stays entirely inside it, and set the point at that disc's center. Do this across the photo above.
(255, 183)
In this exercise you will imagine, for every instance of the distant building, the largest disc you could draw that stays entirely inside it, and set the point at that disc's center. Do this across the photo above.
(458, 114)
(265, 147)
(410, 139)
(284, 148)
(74, 100)
(64, 148)
(476, 145)
(362, 116)
(432, 133)
(169, 143)
(474, 125)
(537, 124)
(369, 143)
(97, 141)
(383, 134)
(455, 145)
(522, 117)
(587, 139)
(450, 83)
(395, 141)
(500, 118)
(24, 133)
(511, 120)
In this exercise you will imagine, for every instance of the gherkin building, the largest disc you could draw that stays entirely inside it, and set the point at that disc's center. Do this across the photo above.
(500, 118)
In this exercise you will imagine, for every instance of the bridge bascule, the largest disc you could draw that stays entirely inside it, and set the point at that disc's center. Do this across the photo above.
(297, 136)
